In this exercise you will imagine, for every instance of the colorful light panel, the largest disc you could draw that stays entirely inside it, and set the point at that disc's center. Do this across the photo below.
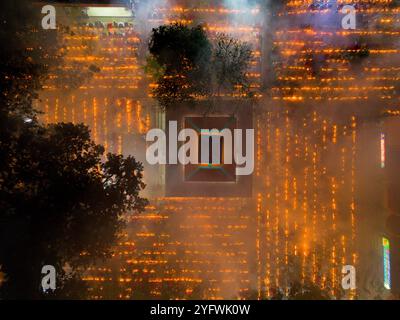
(386, 263)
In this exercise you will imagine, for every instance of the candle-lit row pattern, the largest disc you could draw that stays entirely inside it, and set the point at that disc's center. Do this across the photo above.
(315, 60)
(307, 214)
(242, 24)
(180, 248)
(107, 99)
(301, 223)
(325, 79)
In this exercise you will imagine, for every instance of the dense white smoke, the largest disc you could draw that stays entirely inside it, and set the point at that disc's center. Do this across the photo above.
(249, 10)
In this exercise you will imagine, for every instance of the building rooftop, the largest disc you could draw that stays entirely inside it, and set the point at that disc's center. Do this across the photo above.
(88, 2)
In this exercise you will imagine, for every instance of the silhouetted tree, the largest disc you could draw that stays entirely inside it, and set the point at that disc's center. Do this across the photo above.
(60, 204)
(184, 54)
(187, 66)
(230, 64)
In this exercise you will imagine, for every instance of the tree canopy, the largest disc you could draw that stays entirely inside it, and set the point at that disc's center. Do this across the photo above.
(231, 61)
(187, 65)
(184, 54)
(61, 204)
